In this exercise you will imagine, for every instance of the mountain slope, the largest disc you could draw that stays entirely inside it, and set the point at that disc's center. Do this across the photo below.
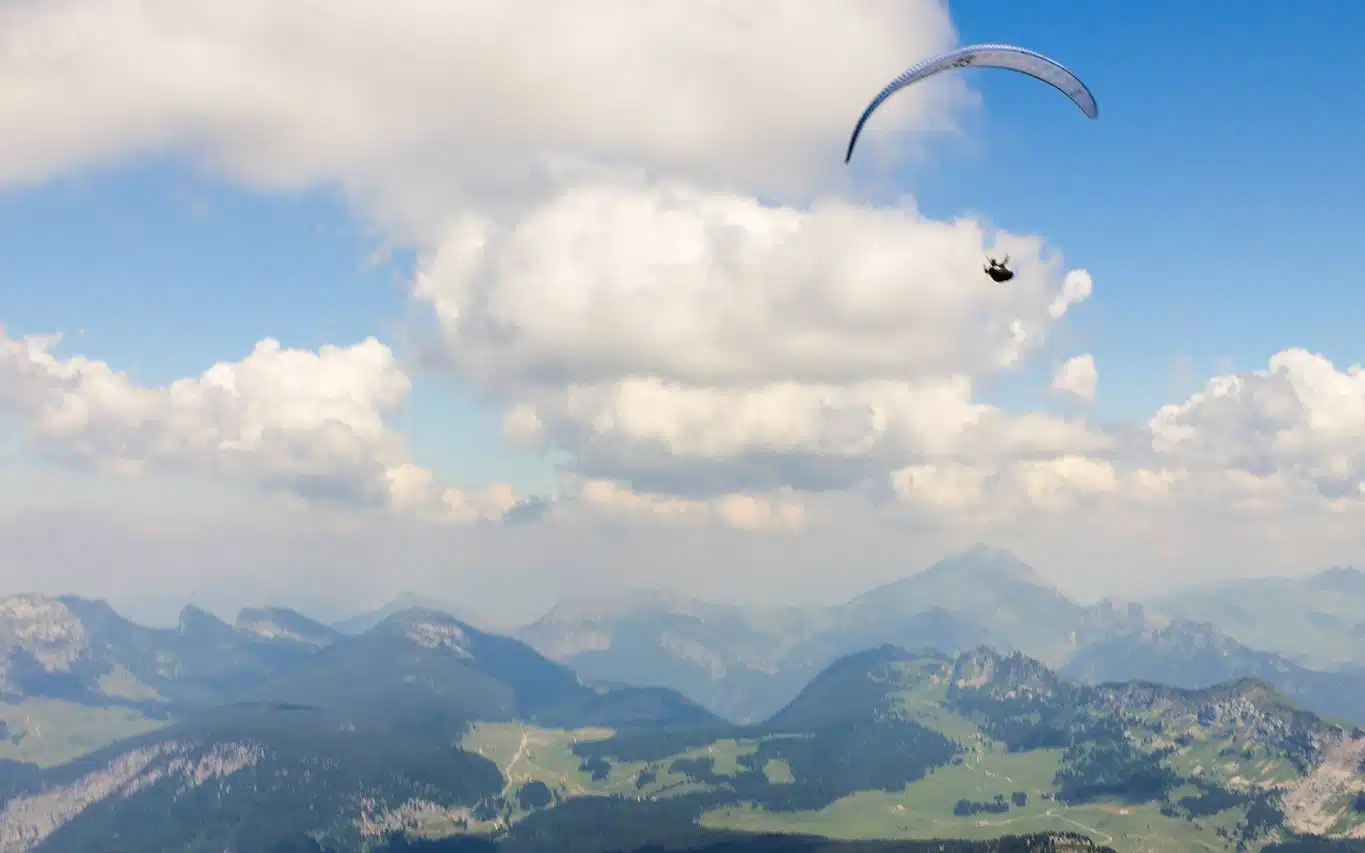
(200, 785)
(424, 659)
(1153, 767)
(366, 725)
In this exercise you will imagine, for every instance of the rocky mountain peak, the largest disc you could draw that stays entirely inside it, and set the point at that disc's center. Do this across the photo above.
(198, 621)
(45, 628)
(985, 669)
(430, 629)
(281, 623)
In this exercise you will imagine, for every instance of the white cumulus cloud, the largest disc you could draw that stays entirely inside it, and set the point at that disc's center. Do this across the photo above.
(412, 103)
(704, 342)
(718, 289)
(1078, 377)
(309, 424)
(1303, 417)
(604, 500)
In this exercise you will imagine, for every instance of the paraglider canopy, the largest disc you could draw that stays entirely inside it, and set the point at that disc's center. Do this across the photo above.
(1004, 56)
(999, 271)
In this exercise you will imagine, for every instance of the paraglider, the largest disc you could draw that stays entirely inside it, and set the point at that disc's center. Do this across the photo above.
(1004, 56)
(999, 271)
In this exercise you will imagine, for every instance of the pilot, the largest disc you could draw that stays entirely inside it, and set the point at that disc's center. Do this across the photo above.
(998, 270)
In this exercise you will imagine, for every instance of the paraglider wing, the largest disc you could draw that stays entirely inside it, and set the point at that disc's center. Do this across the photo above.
(1004, 56)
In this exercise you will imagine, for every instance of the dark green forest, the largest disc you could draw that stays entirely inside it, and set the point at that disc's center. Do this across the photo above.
(1039, 843)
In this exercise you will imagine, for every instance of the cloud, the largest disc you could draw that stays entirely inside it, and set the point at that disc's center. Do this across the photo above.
(1268, 453)
(414, 103)
(307, 424)
(704, 343)
(717, 289)
(706, 441)
(1260, 446)
(594, 501)
(995, 493)
(1302, 418)
(1110, 547)
(1077, 377)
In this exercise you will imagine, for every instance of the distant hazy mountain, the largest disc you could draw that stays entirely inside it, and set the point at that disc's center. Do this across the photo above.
(1318, 621)
(736, 661)
(745, 663)
(741, 663)
(985, 586)
(362, 622)
(423, 659)
(1195, 655)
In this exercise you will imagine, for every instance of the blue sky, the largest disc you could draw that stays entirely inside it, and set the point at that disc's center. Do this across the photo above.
(165, 271)
(1215, 200)
(1214, 204)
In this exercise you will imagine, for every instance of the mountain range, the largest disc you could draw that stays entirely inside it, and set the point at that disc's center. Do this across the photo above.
(458, 725)
(744, 663)
(739, 663)
(423, 728)
(78, 650)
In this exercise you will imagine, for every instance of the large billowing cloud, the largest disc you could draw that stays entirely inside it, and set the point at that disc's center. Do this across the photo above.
(717, 289)
(411, 102)
(702, 342)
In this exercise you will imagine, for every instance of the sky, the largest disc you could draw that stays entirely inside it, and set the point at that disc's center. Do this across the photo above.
(501, 302)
